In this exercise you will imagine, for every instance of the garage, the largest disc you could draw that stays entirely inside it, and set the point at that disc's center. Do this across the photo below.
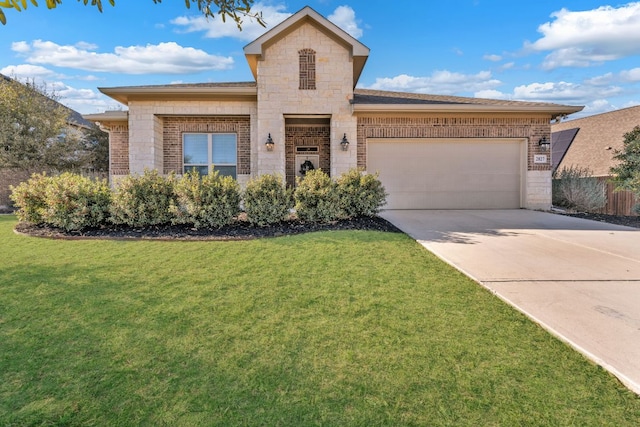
(440, 173)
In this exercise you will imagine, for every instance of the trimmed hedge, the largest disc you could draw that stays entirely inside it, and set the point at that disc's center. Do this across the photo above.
(317, 198)
(267, 200)
(206, 201)
(143, 200)
(30, 198)
(68, 201)
(360, 194)
(72, 202)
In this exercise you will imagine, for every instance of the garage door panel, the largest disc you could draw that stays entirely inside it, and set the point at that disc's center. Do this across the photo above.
(432, 174)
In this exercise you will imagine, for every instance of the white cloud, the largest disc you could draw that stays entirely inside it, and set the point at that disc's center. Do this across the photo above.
(584, 38)
(26, 71)
(345, 18)
(491, 94)
(84, 101)
(440, 82)
(630, 76)
(492, 58)
(20, 46)
(564, 92)
(251, 29)
(163, 58)
(86, 46)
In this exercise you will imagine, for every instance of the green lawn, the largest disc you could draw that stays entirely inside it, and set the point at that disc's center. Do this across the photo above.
(346, 328)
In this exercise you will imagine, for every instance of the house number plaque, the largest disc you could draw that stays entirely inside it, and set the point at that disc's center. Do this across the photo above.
(540, 158)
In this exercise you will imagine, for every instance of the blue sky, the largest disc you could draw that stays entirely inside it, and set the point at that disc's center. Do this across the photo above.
(576, 52)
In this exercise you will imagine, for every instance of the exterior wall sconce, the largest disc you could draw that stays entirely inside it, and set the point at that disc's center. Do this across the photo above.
(344, 143)
(269, 143)
(544, 143)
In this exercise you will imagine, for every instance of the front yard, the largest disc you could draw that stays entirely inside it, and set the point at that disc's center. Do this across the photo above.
(342, 328)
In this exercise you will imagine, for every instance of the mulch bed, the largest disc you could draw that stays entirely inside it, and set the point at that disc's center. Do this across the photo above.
(629, 221)
(240, 230)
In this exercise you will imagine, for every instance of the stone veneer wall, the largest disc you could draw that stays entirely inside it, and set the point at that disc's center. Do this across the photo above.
(307, 135)
(174, 127)
(443, 126)
(280, 96)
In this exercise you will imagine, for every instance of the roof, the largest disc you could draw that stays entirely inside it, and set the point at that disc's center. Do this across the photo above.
(254, 51)
(598, 139)
(560, 143)
(108, 116)
(371, 101)
(190, 91)
(74, 118)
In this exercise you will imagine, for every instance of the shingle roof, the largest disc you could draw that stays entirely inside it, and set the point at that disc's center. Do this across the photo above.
(368, 97)
(191, 85)
(598, 139)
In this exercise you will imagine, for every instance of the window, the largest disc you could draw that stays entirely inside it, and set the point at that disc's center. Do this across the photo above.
(207, 152)
(307, 58)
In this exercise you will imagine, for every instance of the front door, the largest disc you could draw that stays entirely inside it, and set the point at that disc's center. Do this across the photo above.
(307, 140)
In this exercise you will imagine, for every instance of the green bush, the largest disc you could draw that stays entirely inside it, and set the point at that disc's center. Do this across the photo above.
(574, 188)
(267, 200)
(360, 194)
(143, 200)
(74, 202)
(30, 198)
(208, 201)
(317, 198)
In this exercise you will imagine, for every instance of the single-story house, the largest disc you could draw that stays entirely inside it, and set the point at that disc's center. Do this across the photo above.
(431, 151)
(590, 143)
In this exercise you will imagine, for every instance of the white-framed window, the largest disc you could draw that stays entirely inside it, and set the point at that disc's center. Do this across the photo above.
(207, 152)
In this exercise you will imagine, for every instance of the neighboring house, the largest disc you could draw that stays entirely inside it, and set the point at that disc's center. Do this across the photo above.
(13, 177)
(590, 143)
(432, 152)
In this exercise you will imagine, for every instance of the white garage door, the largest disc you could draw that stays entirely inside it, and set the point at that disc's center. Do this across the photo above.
(448, 173)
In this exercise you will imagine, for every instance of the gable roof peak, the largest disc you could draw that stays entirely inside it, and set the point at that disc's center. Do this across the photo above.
(254, 51)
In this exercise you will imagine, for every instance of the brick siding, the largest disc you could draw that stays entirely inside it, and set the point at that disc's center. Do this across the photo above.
(118, 148)
(307, 135)
(443, 126)
(175, 126)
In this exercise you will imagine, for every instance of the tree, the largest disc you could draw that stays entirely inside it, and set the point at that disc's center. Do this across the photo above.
(235, 10)
(627, 172)
(34, 131)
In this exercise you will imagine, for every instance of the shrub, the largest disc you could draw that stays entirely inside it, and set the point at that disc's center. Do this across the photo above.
(574, 188)
(74, 202)
(317, 198)
(360, 194)
(29, 197)
(267, 200)
(143, 200)
(209, 201)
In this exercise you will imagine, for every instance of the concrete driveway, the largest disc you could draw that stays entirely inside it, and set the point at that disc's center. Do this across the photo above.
(579, 279)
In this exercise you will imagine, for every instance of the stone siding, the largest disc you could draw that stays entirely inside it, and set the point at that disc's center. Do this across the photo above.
(280, 96)
(147, 127)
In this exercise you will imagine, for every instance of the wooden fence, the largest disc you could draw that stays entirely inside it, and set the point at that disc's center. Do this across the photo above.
(618, 202)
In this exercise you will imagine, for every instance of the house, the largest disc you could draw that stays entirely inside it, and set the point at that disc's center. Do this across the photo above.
(431, 151)
(12, 176)
(590, 143)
